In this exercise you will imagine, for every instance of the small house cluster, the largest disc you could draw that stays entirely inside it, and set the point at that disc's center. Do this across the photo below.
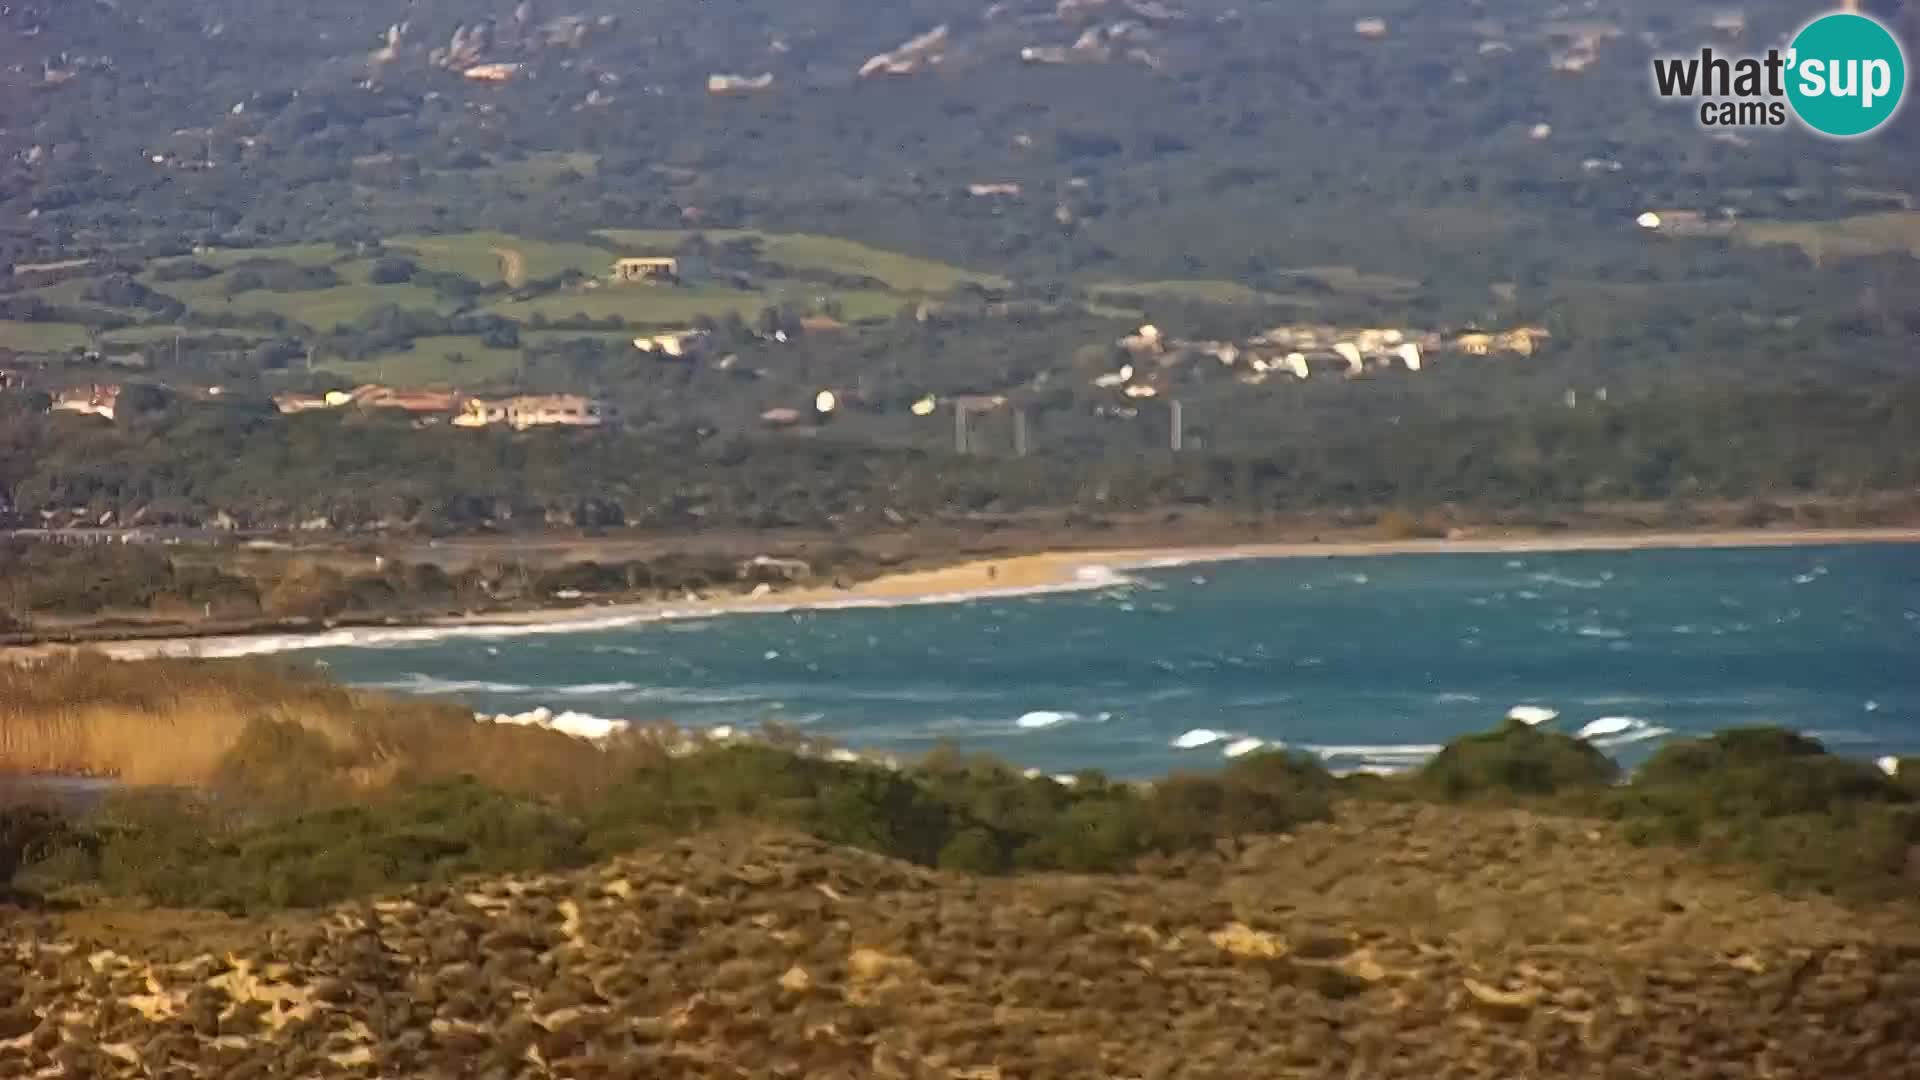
(1303, 349)
(519, 413)
(97, 399)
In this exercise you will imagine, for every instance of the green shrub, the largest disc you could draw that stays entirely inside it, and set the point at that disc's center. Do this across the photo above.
(26, 833)
(1515, 760)
(1764, 772)
(1778, 800)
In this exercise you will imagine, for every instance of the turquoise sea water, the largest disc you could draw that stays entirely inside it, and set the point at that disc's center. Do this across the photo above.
(1370, 662)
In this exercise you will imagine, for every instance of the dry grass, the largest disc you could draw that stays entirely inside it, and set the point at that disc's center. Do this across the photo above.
(174, 722)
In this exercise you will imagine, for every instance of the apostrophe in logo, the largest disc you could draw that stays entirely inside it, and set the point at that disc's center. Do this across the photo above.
(1846, 75)
(1843, 75)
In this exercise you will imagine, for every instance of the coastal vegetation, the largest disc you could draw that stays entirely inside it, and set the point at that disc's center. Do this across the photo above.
(268, 787)
(359, 471)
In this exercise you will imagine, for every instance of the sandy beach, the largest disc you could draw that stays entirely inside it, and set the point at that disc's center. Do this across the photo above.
(973, 579)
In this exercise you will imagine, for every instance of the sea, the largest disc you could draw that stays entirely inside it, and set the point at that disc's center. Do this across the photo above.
(1370, 662)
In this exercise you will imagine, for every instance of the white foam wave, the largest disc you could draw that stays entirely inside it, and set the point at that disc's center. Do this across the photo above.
(1609, 725)
(1390, 753)
(578, 724)
(1196, 738)
(1639, 734)
(1570, 582)
(1044, 718)
(1243, 747)
(1532, 715)
(1605, 632)
(415, 682)
(596, 689)
(1369, 770)
(1457, 699)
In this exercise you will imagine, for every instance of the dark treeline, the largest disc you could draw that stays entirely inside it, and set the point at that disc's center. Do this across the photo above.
(186, 464)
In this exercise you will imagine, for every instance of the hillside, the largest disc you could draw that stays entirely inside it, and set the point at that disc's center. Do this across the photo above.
(1401, 942)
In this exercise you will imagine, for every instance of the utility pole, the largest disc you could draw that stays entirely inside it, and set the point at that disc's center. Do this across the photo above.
(1020, 433)
(959, 428)
(1174, 437)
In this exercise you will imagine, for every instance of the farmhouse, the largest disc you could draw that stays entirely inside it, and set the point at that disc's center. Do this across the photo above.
(413, 401)
(95, 400)
(532, 410)
(646, 270)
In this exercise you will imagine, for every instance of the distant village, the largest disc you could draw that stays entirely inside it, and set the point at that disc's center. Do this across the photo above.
(1304, 351)
(1295, 352)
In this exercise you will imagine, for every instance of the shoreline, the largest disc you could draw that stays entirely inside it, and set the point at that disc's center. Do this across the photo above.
(1039, 573)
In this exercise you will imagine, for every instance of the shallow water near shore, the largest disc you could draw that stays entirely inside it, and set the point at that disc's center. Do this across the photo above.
(1369, 662)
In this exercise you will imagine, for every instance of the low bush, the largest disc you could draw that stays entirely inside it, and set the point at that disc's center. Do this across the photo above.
(1515, 760)
(1779, 800)
(187, 850)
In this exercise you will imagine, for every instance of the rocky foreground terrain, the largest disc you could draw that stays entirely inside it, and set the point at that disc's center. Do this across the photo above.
(1402, 941)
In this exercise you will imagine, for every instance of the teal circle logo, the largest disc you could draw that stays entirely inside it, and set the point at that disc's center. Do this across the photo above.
(1845, 75)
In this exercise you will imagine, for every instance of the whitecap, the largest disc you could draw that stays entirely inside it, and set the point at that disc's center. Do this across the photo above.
(1803, 579)
(1097, 575)
(1609, 725)
(1607, 633)
(1044, 718)
(1457, 699)
(1568, 582)
(770, 654)
(578, 724)
(1635, 735)
(586, 725)
(415, 682)
(1243, 747)
(1532, 715)
(1197, 738)
(1387, 753)
(1065, 779)
(1516, 564)
(1527, 594)
(1889, 765)
(1356, 579)
(593, 689)
(1872, 706)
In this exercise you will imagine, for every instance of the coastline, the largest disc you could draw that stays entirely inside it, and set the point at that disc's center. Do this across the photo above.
(969, 579)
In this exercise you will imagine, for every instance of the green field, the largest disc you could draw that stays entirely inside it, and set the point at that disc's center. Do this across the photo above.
(482, 255)
(323, 309)
(1892, 232)
(489, 256)
(1357, 282)
(41, 336)
(644, 305)
(304, 254)
(807, 251)
(1211, 292)
(433, 362)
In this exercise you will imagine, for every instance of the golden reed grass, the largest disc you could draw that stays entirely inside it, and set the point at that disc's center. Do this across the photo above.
(173, 722)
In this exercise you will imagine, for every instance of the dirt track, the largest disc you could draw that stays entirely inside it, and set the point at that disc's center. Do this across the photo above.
(513, 266)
